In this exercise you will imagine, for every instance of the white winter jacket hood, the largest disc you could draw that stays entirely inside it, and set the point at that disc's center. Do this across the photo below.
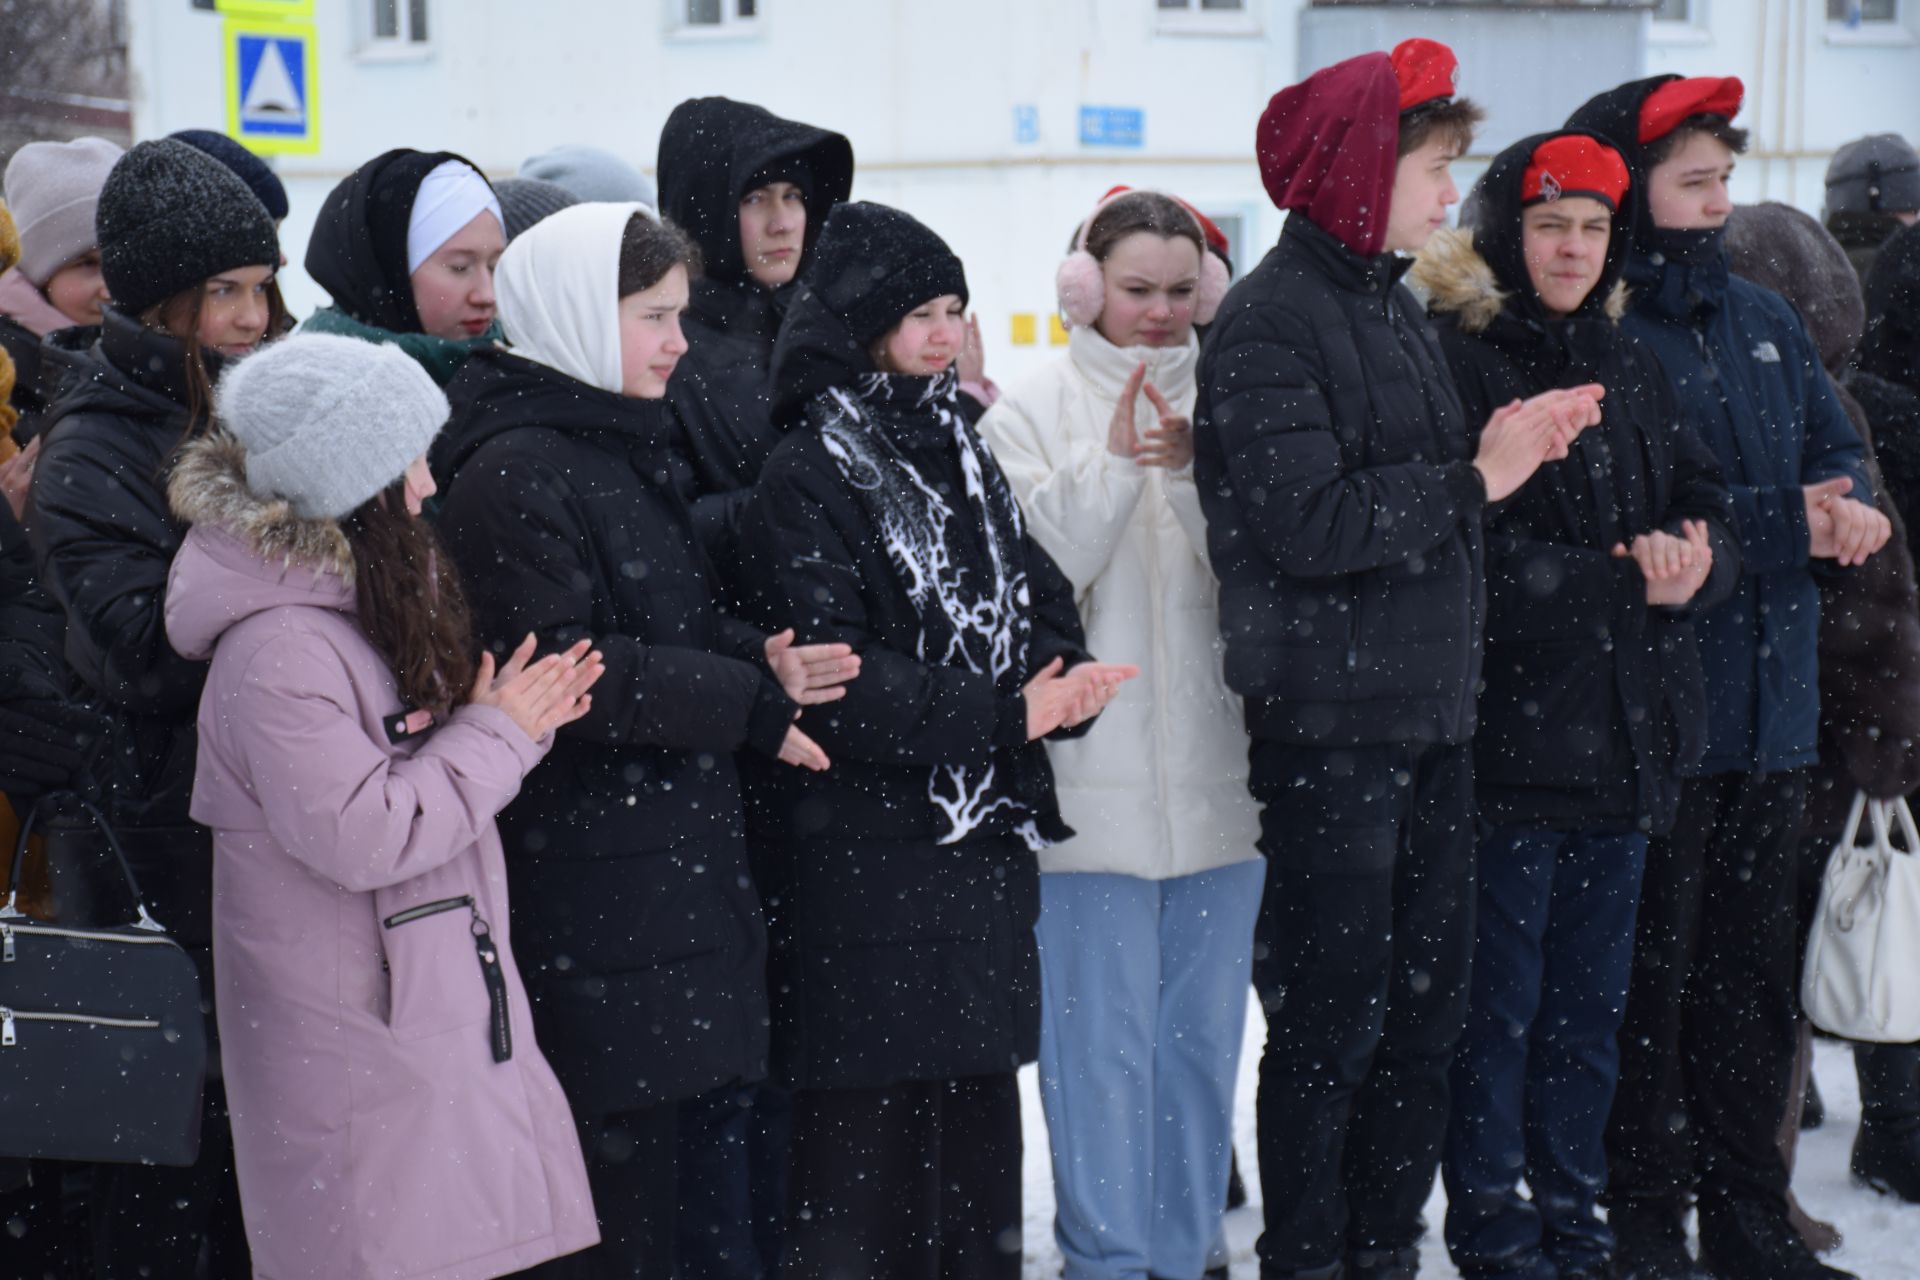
(1158, 788)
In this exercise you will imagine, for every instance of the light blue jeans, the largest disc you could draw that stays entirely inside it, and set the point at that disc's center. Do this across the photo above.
(1143, 988)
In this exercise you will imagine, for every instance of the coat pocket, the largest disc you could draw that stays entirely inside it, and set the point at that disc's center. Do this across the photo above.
(444, 972)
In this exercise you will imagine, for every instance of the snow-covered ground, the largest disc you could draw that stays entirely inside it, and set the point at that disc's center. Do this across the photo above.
(1882, 1235)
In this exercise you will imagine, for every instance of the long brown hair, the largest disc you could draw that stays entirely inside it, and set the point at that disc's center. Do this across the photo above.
(410, 600)
(179, 317)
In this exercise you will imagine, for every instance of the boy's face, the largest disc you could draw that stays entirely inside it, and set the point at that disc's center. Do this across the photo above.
(1422, 191)
(1688, 190)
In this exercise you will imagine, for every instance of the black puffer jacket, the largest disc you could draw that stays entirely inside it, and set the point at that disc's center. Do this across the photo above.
(42, 367)
(635, 917)
(894, 957)
(103, 540)
(1343, 510)
(1592, 701)
(712, 152)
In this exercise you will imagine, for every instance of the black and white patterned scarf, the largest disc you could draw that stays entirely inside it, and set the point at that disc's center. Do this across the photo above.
(965, 571)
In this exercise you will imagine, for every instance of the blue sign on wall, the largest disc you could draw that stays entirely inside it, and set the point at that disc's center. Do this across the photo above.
(1026, 123)
(1113, 126)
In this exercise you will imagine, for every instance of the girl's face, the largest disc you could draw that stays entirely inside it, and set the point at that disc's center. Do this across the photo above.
(419, 485)
(234, 310)
(78, 290)
(927, 339)
(453, 288)
(1151, 281)
(651, 343)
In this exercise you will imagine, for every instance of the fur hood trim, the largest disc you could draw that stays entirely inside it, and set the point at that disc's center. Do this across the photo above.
(209, 486)
(1458, 280)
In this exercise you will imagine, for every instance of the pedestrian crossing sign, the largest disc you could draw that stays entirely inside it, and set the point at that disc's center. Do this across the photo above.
(273, 100)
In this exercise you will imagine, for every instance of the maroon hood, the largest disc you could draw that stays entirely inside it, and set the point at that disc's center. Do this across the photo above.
(1327, 148)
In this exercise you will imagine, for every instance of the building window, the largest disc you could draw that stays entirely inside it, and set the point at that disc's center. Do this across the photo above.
(1205, 17)
(394, 27)
(720, 14)
(1854, 13)
(1673, 11)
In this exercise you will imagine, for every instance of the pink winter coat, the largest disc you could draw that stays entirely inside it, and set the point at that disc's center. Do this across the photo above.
(375, 1133)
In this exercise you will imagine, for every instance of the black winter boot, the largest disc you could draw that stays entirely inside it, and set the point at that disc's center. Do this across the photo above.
(1383, 1264)
(1650, 1243)
(1886, 1152)
(1747, 1239)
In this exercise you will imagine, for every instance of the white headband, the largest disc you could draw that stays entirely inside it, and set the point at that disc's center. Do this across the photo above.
(450, 197)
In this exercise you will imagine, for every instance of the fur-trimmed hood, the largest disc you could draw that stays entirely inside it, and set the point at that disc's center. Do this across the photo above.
(1457, 280)
(244, 554)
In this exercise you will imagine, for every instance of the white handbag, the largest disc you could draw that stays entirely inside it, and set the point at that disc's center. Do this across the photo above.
(1862, 979)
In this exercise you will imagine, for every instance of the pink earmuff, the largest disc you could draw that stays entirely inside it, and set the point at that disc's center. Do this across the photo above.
(1082, 290)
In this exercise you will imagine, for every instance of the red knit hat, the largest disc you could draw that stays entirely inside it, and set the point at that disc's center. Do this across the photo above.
(1427, 72)
(1573, 164)
(1673, 102)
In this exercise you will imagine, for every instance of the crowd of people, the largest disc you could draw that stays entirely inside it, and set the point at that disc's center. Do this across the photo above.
(1471, 639)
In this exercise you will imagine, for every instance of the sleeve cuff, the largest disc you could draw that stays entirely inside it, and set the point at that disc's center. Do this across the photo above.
(771, 717)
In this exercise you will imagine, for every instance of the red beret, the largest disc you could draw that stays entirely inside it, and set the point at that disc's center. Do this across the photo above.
(1574, 165)
(1675, 100)
(1426, 70)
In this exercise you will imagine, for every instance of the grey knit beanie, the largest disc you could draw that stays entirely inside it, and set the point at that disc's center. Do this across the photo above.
(172, 216)
(329, 421)
(591, 174)
(527, 200)
(1879, 173)
(53, 188)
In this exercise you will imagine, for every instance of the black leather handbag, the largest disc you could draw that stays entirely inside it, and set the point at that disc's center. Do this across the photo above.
(103, 1048)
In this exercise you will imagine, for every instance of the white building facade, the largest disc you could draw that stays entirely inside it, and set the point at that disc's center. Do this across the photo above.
(1000, 122)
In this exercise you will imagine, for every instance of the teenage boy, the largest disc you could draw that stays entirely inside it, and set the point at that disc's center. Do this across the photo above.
(1343, 497)
(1707, 1045)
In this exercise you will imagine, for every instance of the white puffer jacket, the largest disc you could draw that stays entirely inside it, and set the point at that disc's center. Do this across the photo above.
(1159, 787)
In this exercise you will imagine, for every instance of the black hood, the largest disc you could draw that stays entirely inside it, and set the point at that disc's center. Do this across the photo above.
(715, 150)
(1891, 347)
(358, 251)
(1615, 118)
(497, 391)
(1496, 231)
(873, 264)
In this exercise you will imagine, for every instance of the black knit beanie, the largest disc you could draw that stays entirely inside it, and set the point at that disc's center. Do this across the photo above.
(873, 264)
(248, 167)
(171, 217)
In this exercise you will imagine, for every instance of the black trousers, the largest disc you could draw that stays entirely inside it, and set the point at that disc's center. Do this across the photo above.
(732, 1148)
(1362, 958)
(1712, 1021)
(917, 1181)
(634, 1177)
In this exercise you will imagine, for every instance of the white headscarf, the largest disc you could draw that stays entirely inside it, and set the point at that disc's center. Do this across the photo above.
(450, 197)
(559, 291)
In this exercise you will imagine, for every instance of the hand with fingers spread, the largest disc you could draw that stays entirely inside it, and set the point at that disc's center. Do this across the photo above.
(811, 673)
(16, 478)
(539, 696)
(1675, 568)
(1525, 433)
(972, 363)
(1062, 699)
(1840, 528)
(800, 750)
